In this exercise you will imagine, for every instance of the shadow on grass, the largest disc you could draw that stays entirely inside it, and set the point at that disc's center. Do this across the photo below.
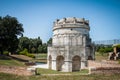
(4, 57)
(19, 59)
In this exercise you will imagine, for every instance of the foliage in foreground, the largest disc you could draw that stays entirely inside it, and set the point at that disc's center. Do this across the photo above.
(4, 76)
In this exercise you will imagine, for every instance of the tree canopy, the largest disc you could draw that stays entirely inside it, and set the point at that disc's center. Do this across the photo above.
(10, 29)
(49, 42)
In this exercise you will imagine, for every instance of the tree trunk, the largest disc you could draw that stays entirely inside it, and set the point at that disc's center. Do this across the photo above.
(1, 51)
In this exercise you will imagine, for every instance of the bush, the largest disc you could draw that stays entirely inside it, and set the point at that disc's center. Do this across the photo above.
(6, 53)
(25, 52)
(105, 50)
(31, 55)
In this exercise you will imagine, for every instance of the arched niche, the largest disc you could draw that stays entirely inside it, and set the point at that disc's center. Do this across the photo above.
(59, 63)
(76, 63)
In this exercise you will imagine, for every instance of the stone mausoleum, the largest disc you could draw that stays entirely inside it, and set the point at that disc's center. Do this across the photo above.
(71, 45)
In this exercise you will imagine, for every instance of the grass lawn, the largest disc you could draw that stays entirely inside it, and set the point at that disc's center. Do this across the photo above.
(39, 60)
(8, 61)
(99, 57)
(41, 55)
(4, 76)
(48, 71)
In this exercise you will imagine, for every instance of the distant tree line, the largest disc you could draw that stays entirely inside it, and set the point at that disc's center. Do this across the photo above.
(101, 48)
(33, 45)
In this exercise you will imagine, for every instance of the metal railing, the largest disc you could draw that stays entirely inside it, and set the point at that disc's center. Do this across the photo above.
(108, 42)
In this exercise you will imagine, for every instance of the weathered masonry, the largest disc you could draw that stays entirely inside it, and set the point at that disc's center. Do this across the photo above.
(71, 45)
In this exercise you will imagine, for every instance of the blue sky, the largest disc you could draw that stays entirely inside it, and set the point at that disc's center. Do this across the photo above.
(37, 16)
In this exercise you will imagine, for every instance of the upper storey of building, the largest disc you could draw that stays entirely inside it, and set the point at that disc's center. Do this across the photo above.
(71, 22)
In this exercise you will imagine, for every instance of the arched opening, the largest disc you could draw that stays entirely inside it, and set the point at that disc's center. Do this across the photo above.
(90, 58)
(59, 63)
(76, 63)
(50, 62)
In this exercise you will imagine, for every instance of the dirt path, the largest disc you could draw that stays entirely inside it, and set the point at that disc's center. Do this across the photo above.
(15, 70)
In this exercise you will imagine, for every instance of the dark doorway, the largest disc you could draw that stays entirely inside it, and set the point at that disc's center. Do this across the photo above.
(76, 63)
(59, 63)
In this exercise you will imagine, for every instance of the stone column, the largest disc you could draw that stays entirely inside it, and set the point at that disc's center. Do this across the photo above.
(53, 64)
(67, 66)
(83, 64)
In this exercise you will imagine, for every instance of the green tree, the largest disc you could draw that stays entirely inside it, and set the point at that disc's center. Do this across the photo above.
(24, 42)
(34, 43)
(30, 44)
(40, 49)
(44, 48)
(49, 42)
(39, 41)
(10, 29)
(33, 50)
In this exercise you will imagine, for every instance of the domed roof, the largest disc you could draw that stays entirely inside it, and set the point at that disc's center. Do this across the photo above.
(71, 20)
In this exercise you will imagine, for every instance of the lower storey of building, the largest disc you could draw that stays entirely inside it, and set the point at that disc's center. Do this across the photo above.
(76, 64)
